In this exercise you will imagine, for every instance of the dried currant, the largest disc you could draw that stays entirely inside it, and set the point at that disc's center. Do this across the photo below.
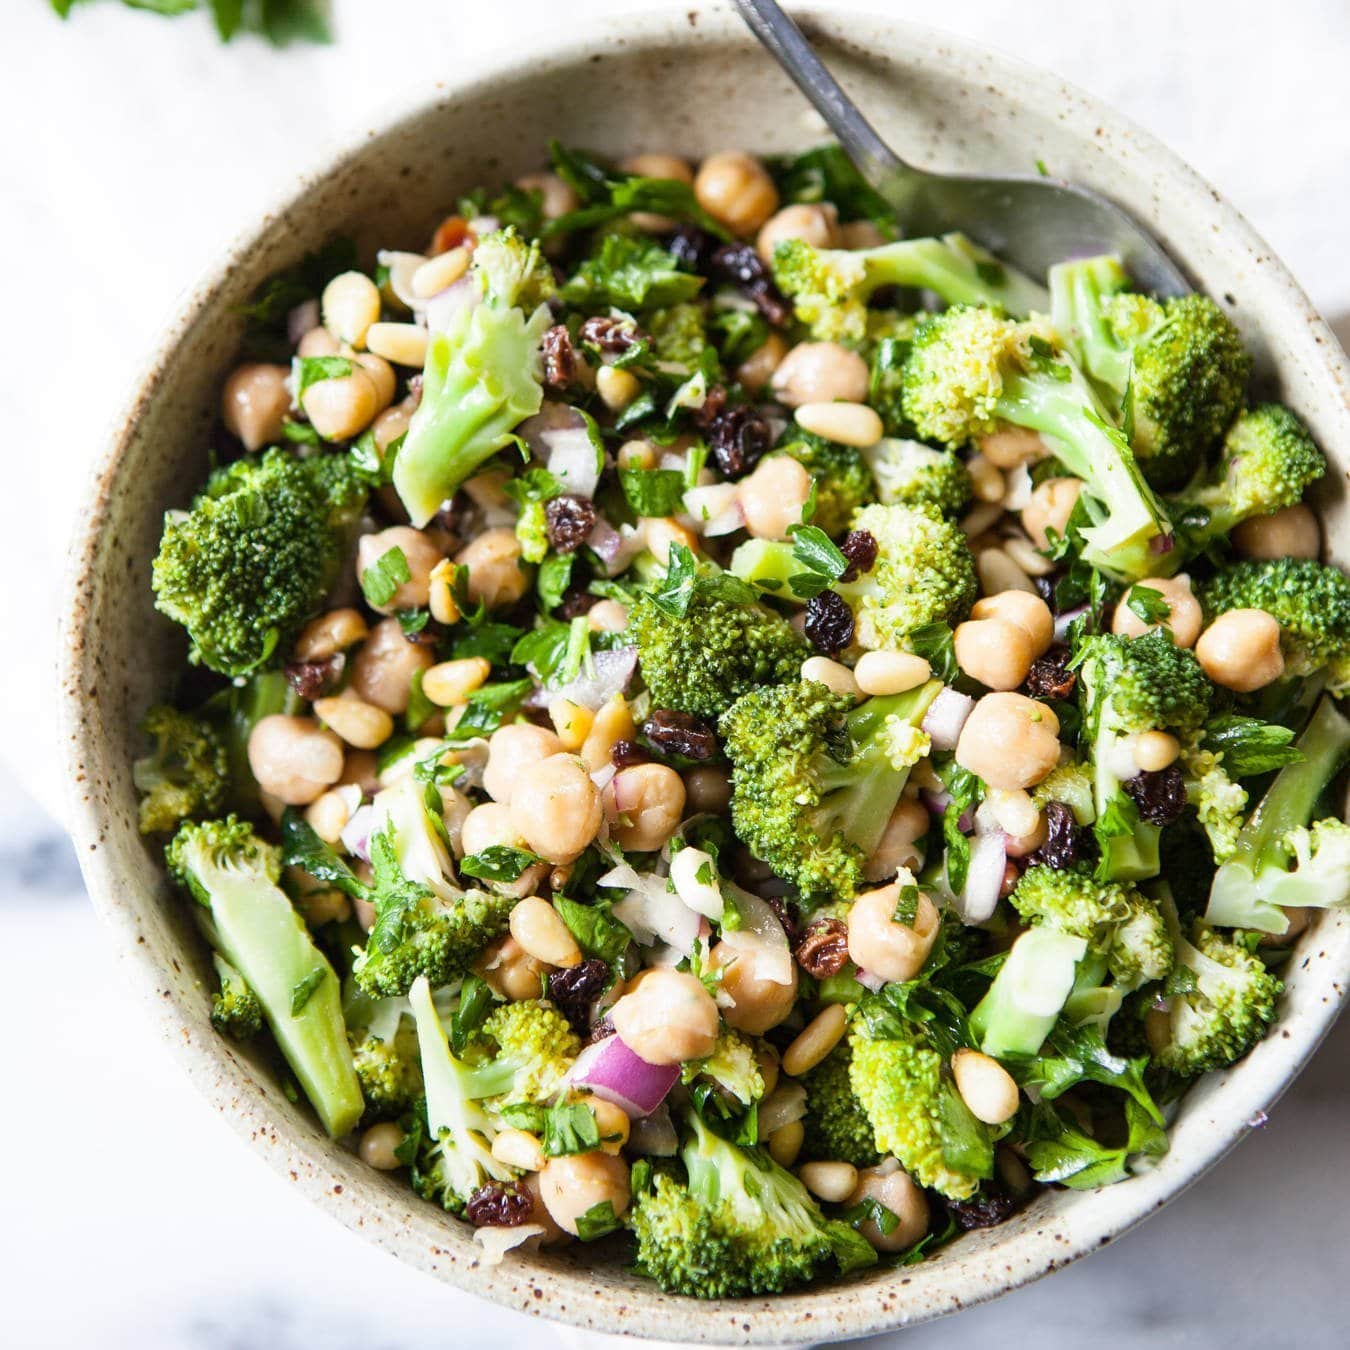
(860, 548)
(738, 438)
(1066, 842)
(609, 335)
(575, 990)
(569, 520)
(692, 248)
(823, 949)
(983, 1210)
(741, 266)
(560, 357)
(1050, 676)
(829, 622)
(499, 1206)
(310, 679)
(626, 753)
(577, 602)
(680, 733)
(1159, 794)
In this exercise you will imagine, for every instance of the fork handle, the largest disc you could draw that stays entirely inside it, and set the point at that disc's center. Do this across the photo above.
(877, 161)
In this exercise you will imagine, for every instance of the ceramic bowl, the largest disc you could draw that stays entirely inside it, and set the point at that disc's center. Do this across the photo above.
(693, 82)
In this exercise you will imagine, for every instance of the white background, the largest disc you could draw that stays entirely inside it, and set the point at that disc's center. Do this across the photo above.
(133, 149)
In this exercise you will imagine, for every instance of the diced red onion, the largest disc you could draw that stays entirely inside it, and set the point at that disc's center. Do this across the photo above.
(603, 775)
(1162, 543)
(355, 834)
(303, 318)
(1062, 621)
(714, 509)
(654, 1136)
(945, 717)
(869, 981)
(650, 911)
(937, 802)
(984, 878)
(615, 1073)
(573, 458)
(609, 675)
(615, 548)
(458, 296)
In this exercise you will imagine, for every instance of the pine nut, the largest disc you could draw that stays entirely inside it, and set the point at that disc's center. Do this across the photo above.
(832, 1182)
(328, 816)
(986, 1087)
(519, 1148)
(607, 616)
(399, 269)
(359, 723)
(987, 480)
(437, 273)
(846, 423)
(636, 455)
(890, 672)
(997, 572)
(831, 674)
(350, 304)
(613, 723)
(617, 388)
(1011, 446)
(1023, 553)
(1014, 810)
(535, 925)
(571, 721)
(980, 518)
(1155, 750)
(441, 593)
(405, 344)
(452, 682)
(612, 1122)
(766, 1060)
(786, 1142)
(329, 634)
(819, 1037)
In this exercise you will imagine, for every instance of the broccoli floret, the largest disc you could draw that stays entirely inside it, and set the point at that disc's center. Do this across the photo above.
(1223, 1005)
(184, 776)
(733, 1066)
(1119, 923)
(249, 921)
(1129, 686)
(1309, 600)
(702, 663)
(909, 473)
(255, 555)
(235, 1010)
(384, 1052)
(530, 1048)
(843, 482)
(454, 1158)
(971, 369)
(481, 379)
(1031, 988)
(424, 923)
(1070, 784)
(1268, 462)
(830, 288)
(1219, 802)
(1277, 860)
(901, 1085)
(817, 778)
(923, 574)
(740, 1225)
(836, 1126)
(1176, 370)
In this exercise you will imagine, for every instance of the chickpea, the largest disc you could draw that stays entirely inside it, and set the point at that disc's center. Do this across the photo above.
(361, 769)
(707, 789)
(389, 426)
(758, 368)
(294, 758)
(556, 197)
(383, 668)
(254, 403)
(496, 576)
(1009, 740)
(893, 1189)
(820, 372)
(329, 634)
(995, 652)
(816, 224)
(899, 843)
(1182, 625)
(511, 971)
(1029, 612)
(379, 1144)
(511, 750)
(342, 407)
(556, 807)
(773, 497)
(1008, 447)
(552, 1234)
(1240, 650)
(317, 342)
(418, 551)
(488, 826)
(736, 190)
(1290, 533)
(668, 1018)
(574, 1184)
(645, 803)
(881, 945)
(607, 616)
(860, 234)
(381, 375)
(756, 1004)
(1050, 507)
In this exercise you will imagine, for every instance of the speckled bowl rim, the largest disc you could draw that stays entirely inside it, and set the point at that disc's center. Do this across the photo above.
(827, 1313)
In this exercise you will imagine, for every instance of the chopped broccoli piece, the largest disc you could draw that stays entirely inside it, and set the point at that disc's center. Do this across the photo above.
(184, 776)
(816, 778)
(235, 1010)
(842, 480)
(679, 335)
(702, 663)
(1029, 992)
(530, 1047)
(971, 369)
(733, 1066)
(256, 554)
(1219, 802)
(836, 1126)
(909, 473)
(830, 288)
(384, 1051)
(1309, 600)
(1071, 784)
(1277, 860)
(481, 379)
(249, 921)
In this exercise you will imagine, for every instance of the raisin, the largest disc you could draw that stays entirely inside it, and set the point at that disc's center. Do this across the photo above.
(983, 1210)
(574, 991)
(309, 679)
(823, 949)
(786, 915)
(1066, 842)
(1050, 676)
(601, 1031)
(499, 1206)
(560, 357)
(860, 548)
(680, 733)
(626, 753)
(1160, 795)
(738, 438)
(576, 602)
(609, 335)
(569, 520)
(692, 248)
(829, 622)
(741, 266)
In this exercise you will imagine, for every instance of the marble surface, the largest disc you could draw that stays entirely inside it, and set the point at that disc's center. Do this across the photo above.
(136, 147)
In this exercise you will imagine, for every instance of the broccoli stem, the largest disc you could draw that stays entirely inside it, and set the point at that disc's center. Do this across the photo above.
(1078, 295)
(958, 270)
(1024, 1002)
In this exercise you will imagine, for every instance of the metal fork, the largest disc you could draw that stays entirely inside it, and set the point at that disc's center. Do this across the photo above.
(1031, 222)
